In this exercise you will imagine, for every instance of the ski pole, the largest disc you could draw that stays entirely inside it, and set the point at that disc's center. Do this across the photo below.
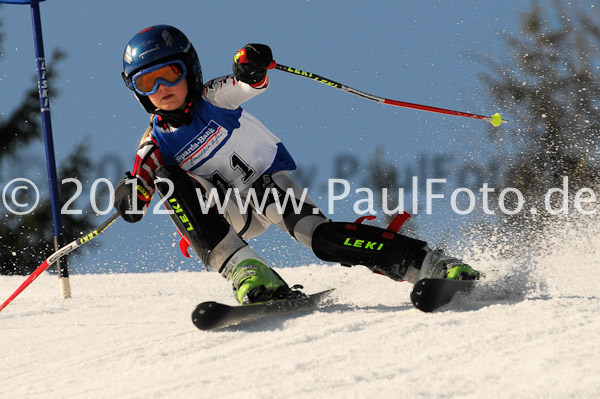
(61, 252)
(495, 119)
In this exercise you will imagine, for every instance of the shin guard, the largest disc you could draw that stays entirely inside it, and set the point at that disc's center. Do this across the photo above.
(382, 251)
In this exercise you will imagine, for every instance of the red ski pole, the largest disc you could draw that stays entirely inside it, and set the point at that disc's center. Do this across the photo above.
(56, 255)
(495, 119)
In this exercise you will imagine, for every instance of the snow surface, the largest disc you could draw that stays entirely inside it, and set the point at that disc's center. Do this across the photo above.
(131, 336)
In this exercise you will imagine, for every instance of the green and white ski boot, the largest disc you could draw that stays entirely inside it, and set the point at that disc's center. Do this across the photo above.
(438, 265)
(254, 281)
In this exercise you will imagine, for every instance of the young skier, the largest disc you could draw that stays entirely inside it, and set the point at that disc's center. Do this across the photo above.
(201, 141)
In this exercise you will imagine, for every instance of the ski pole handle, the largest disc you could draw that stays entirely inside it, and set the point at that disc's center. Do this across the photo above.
(495, 119)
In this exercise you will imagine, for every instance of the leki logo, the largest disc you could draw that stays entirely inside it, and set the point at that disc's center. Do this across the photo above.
(372, 245)
(182, 216)
(313, 76)
(240, 54)
(143, 191)
(88, 237)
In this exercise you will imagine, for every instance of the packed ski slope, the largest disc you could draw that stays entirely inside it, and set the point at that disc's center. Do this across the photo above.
(130, 336)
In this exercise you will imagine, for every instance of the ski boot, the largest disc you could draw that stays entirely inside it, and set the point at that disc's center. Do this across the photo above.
(254, 281)
(438, 265)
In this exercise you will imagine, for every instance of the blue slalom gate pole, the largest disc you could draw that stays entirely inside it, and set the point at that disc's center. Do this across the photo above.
(63, 271)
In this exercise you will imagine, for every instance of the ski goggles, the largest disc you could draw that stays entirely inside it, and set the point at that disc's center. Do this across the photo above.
(146, 81)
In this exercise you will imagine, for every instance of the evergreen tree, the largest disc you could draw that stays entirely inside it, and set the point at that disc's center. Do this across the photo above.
(26, 240)
(550, 88)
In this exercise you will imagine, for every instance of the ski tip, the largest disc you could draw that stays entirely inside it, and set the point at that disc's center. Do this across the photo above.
(323, 294)
(429, 294)
(213, 315)
(208, 314)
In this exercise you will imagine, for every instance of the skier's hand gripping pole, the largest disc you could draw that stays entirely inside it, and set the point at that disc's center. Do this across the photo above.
(495, 119)
(58, 254)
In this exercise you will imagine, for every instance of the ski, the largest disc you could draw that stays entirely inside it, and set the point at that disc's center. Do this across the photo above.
(429, 294)
(214, 315)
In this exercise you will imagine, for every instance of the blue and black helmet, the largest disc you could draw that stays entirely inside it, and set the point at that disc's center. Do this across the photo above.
(158, 44)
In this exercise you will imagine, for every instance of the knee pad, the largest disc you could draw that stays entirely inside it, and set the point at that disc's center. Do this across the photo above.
(298, 215)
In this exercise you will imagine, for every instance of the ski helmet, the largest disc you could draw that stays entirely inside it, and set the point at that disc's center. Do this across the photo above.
(158, 44)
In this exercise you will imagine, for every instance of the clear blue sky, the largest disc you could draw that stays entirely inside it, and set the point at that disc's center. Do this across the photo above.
(416, 51)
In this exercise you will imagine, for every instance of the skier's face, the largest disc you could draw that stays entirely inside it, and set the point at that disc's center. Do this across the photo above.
(170, 98)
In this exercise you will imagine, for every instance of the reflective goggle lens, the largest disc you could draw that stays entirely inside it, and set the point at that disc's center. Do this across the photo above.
(146, 81)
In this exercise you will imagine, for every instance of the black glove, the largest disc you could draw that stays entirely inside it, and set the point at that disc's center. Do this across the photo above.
(251, 62)
(124, 198)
